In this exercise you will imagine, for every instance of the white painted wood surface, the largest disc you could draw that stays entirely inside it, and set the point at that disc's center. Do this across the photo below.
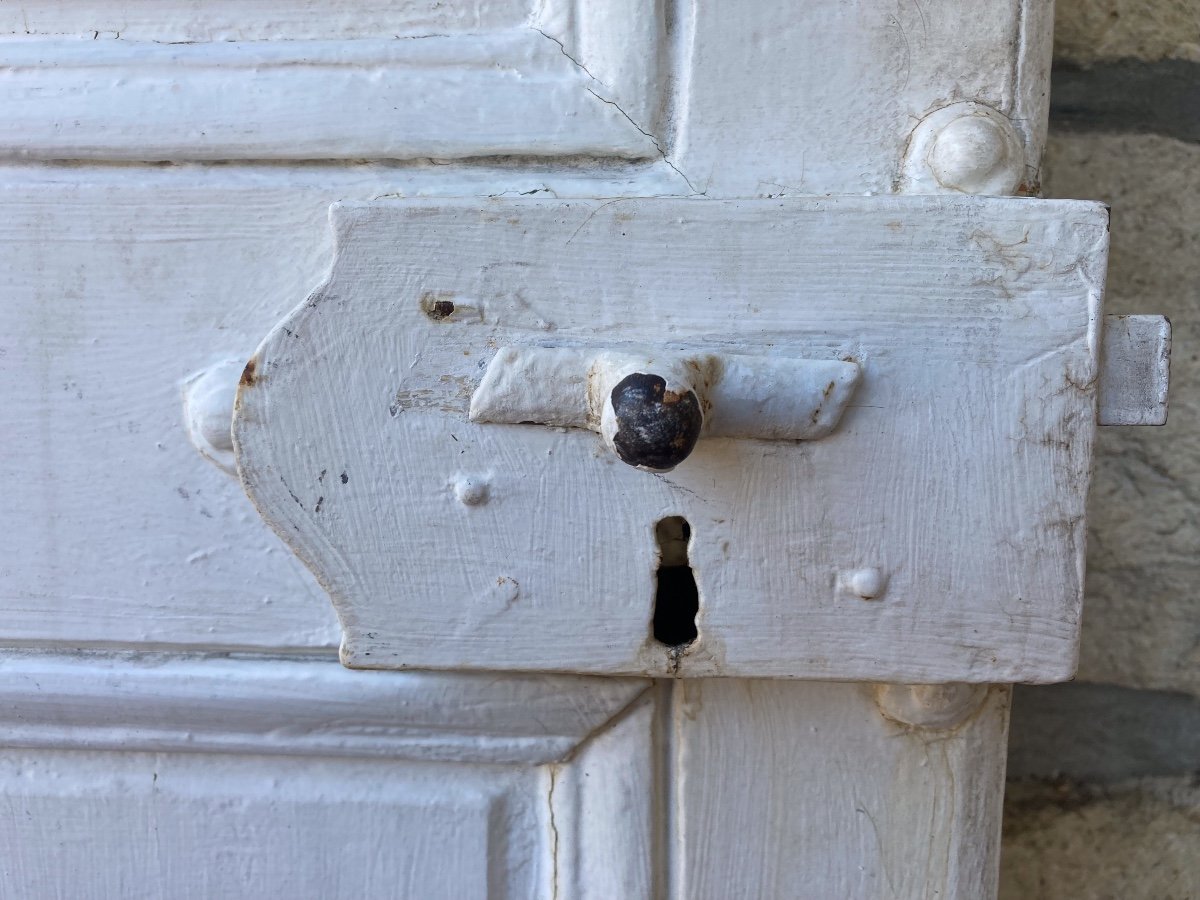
(893, 812)
(828, 106)
(455, 81)
(123, 281)
(786, 99)
(95, 826)
(121, 284)
(445, 97)
(612, 791)
(151, 776)
(196, 21)
(162, 703)
(976, 324)
(134, 278)
(608, 807)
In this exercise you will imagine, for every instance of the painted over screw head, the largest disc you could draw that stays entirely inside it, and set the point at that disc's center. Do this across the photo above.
(652, 425)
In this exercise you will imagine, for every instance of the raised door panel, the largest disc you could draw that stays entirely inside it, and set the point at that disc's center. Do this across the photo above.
(173, 81)
(100, 825)
(829, 104)
(147, 776)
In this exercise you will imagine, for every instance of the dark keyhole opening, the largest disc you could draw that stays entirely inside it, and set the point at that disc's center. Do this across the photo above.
(676, 599)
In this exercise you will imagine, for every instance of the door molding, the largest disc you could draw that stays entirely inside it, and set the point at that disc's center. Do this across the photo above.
(568, 81)
(152, 702)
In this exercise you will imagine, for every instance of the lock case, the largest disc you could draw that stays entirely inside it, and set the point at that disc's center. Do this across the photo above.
(933, 532)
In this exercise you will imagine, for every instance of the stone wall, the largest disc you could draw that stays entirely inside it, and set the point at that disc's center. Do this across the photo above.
(1104, 796)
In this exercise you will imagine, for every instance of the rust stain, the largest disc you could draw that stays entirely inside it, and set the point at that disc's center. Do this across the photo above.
(249, 374)
(437, 305)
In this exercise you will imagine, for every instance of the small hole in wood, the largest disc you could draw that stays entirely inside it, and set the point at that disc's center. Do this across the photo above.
(437, 307)
(676, 598)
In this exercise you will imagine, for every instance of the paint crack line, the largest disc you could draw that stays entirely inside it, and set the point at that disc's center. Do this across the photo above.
(654, 140)
(564, 52)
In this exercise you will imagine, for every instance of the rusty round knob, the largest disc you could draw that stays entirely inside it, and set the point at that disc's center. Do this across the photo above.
(650, 422)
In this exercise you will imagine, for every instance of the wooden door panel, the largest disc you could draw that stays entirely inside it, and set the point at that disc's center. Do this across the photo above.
(332, 81)
(875, 807)
(151, 776)
(185, 730)
(836, 89)
(97, 825)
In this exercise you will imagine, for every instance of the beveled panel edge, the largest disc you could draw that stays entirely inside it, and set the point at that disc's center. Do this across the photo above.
(272, 706)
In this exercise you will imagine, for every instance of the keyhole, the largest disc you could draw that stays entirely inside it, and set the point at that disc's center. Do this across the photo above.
(676, 599)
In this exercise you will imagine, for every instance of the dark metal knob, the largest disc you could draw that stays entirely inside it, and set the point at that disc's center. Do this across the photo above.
(650, 423)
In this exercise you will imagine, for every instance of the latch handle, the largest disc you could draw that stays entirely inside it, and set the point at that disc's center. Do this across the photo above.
(652, 408)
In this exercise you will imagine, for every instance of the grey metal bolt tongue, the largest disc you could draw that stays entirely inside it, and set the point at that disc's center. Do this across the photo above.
(655, 427)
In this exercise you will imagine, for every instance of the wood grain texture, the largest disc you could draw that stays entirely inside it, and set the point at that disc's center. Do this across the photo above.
(120, 283)
(960, 471)
(297, 708)
(605, 806)
(835, 90)
(805, 791)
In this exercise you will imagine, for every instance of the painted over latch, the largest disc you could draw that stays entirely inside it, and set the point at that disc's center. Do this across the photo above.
(652, 408)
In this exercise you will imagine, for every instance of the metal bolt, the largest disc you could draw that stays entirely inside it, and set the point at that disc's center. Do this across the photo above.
(966, 147)
(974, 155)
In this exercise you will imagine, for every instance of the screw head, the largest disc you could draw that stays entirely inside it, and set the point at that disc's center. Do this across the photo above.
(966, 147)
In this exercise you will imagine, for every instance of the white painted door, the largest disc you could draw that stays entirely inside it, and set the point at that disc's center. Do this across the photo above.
(175, 719)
